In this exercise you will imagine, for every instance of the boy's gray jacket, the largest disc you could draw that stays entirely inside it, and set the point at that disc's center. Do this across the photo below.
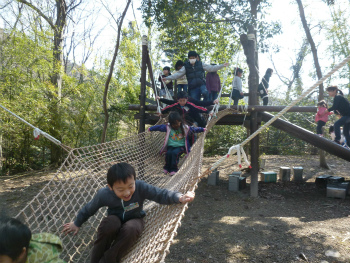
(130, 209)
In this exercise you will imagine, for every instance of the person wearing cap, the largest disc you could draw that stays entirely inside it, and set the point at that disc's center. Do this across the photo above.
(168, 83)
(194, 71)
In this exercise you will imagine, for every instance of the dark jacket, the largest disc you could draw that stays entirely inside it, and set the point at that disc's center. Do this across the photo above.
(213, 82)
(340, 105)
(190, 112)
(130, 209)
(192, 100)
(189, 131)
(195, 74)
(264, 85)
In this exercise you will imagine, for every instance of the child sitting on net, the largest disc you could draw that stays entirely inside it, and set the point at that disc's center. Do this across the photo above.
(18, 245)
(124, 196)
(178, 140)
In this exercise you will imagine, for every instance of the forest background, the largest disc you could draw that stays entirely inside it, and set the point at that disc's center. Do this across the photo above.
(72, 67)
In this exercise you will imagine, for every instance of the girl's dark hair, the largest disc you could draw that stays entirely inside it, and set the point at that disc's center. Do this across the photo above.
(178, 64)
(238, 70)
(120, 172)
(333, 88)
(14, 236)
(322, 103)
(269, 71)
(175, 116)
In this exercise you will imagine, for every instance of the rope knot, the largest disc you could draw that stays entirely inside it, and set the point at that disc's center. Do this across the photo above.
(36, 133)
(240, 153)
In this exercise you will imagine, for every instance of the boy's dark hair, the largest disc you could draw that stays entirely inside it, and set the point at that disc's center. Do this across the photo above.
(120, 172)
(178, 64)
(322, 103)
(333, 88)
(14, 236)
(238, 70)
(175, 116)
(182, 95)
(192, 54)
(167, 68)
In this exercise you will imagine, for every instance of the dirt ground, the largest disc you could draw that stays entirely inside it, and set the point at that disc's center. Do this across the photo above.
(288, 222)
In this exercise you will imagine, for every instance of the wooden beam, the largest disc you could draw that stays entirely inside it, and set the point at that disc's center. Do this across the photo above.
(309, 137)
(258, 108)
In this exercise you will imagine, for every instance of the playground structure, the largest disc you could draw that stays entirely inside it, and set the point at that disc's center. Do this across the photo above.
(255, 113)
(84, 171)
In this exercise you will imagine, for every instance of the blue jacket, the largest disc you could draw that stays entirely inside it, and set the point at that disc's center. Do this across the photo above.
(189, 131)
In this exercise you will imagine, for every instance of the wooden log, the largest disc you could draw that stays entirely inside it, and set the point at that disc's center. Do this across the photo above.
(258, 108)
(309, 137)
(142, 105)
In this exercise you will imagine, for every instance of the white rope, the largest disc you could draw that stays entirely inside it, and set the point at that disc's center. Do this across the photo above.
(230, 98)
(245, 111)
(167, 93)
(278, 115)
(37, 132)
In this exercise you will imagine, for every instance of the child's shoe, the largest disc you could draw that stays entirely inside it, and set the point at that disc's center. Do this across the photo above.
(165, 171)
(172, 173)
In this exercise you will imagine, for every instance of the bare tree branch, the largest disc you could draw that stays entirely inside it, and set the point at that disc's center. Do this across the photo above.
(104, 132)
(48, 20)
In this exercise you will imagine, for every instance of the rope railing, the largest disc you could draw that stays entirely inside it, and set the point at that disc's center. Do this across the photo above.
(36, 131)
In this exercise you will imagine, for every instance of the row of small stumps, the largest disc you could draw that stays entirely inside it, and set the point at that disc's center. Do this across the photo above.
(336, 187)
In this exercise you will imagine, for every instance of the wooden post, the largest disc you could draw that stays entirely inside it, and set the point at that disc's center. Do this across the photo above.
(143, 84)
(249, 46)
(150, 71)
(175, 89)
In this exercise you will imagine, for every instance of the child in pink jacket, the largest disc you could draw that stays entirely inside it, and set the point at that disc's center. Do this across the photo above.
(321, 116)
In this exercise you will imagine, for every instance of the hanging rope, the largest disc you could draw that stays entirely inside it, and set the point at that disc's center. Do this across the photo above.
(168, 96)
(37, 132)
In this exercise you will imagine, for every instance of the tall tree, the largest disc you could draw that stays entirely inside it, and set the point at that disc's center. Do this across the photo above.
(323, 162)
(108, 80)
(57, 22)
(201, 25)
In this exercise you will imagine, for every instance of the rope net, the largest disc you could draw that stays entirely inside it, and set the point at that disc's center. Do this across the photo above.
(84, 172)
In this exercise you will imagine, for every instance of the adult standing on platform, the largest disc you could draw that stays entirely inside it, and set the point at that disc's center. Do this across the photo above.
(264, 85)
(194, 71)
(342, 106)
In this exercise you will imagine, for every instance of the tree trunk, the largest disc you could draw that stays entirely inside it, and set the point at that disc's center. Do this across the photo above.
(249, 45)
(56, 77)
(323, 162)
(105, 109)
